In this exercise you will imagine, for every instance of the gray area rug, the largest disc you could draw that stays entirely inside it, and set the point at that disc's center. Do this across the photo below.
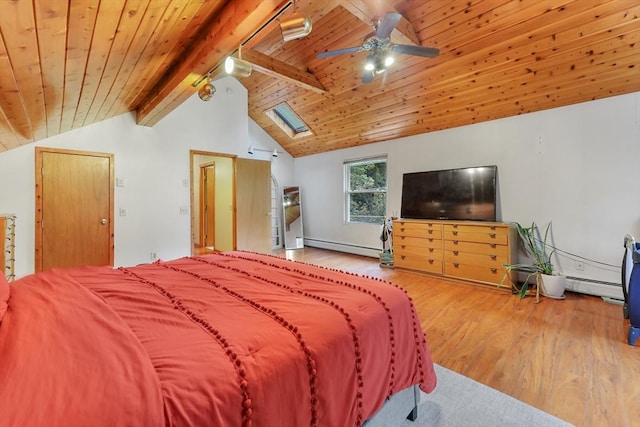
(459, 401)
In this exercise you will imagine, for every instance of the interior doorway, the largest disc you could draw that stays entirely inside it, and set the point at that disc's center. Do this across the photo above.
(212, 202)
(230, 203)
(207, 206)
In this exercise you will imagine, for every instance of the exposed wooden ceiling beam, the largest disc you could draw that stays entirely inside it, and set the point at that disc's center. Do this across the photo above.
(367, 11)
(237, 21)
(281, 70)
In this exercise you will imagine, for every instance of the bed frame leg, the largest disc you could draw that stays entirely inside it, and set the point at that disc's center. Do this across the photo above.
(413, 415)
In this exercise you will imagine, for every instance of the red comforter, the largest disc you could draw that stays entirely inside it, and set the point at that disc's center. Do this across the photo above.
(232, 339)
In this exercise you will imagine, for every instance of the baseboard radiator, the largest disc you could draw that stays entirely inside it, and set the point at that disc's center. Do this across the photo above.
(342, 247)
(581, 285)
(595, 287)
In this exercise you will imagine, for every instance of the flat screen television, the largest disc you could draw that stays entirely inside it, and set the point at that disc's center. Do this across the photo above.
(454, 194)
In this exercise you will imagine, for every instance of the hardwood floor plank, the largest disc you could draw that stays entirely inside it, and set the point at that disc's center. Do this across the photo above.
(566, 357)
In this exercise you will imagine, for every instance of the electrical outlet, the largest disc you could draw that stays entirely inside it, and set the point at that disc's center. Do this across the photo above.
(184, 210)
(579, 266)
(154, 256)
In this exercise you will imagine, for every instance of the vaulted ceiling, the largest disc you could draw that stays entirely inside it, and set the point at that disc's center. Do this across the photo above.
(67, 64)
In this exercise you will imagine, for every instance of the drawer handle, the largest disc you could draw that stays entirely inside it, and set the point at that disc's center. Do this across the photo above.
(403, 246)
(402, 256)
(493, 245)
(430, 231)
(493, 257)
(456, 265)
(494, 270)
(455, 233)
(430, 261)
(430, 239)
(455, 253)
(430, 249)
(492, 235)
(455, 242)
(455, 225)
(402, 229)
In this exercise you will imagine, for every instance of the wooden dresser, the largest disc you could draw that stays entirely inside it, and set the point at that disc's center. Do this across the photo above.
(466, 250)
(7, 245)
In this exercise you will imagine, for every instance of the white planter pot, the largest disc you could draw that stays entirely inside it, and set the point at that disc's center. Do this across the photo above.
(552, 286)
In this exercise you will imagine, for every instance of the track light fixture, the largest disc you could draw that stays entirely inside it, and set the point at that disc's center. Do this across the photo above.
(237, 67)
(274, 153)
(295, 26)
(207, 90)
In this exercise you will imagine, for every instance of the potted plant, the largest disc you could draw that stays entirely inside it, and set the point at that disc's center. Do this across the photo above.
(541, 268)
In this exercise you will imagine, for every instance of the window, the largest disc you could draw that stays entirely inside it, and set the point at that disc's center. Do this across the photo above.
(366, 190)
(287, 120)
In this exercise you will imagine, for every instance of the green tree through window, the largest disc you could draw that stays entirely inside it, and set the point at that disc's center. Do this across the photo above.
(366, 190)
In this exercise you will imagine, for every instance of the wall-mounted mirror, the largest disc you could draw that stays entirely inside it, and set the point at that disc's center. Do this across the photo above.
(292, 213)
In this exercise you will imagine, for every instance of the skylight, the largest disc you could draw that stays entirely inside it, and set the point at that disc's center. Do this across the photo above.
(289, 121)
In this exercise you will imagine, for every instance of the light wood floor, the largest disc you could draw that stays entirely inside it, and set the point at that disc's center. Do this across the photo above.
(569, 358)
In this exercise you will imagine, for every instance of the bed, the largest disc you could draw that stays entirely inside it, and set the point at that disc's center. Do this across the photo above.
(229, 339)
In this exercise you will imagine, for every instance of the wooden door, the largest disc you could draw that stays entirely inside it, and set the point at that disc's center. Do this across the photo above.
(74, 208)
(253, 205)
(207, 206)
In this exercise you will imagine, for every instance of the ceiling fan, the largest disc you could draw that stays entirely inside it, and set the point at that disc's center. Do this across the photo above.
(381, 48)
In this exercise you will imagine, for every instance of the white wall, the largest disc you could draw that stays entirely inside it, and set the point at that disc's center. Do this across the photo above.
(154, 163)
(575, 166)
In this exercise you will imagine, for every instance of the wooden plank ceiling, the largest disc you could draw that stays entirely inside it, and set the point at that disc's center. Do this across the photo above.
(68, 64)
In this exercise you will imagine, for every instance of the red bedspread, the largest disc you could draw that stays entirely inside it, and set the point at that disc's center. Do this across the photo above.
(232, 339)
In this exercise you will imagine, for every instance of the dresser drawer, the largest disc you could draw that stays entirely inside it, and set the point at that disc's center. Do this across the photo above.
(477, 248)
(413, 251)
(491, 275)
(477, 234)
(483, 260)
(418, 242)
(429, 265)
(417, 229)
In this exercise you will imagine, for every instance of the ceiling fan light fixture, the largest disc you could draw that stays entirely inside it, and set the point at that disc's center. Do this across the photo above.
(237, 67)
(370, 65)
(388, 60)
(295, 26)
(207, 91)
(380, 65)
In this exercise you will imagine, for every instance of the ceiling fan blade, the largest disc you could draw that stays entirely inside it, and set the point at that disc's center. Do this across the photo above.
(338, 52)
(387, 25)
(368, 76)
(406, 49)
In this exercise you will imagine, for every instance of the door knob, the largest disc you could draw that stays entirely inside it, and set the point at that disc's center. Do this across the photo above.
(103, 221)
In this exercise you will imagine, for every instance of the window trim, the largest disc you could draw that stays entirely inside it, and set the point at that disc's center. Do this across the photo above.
(284, 126)
(347, 184)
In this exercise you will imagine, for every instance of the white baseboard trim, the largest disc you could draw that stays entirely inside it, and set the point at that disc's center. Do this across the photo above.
(342, 247)
(595, 288)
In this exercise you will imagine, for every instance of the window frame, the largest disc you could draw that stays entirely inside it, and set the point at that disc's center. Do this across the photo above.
(348, 191)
